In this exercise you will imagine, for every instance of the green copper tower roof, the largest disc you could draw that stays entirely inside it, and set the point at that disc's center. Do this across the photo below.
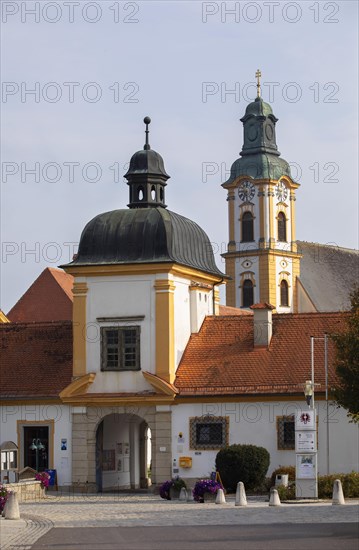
(259, 158)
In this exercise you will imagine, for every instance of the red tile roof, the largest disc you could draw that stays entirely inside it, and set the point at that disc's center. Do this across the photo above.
(35, 359)
(228, 310)
(221, 359)
(49, 298)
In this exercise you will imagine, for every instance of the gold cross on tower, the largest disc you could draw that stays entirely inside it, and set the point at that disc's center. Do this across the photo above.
(258, 76)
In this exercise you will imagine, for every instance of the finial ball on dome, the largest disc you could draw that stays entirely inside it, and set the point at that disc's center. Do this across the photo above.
(147, 120)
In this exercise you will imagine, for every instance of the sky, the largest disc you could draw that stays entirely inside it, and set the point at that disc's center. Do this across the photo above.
(79, 77)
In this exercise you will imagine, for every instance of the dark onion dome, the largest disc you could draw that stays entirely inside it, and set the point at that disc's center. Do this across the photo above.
(145, 236)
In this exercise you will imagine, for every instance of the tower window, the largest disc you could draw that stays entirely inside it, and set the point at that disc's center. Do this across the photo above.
(282, 228)
(247, 227)
(120, 348)
(140, 194)
(153, 192)
(248, 292)
(284, 298)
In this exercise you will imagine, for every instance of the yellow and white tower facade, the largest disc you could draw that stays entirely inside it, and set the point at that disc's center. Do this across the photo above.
(262, 259)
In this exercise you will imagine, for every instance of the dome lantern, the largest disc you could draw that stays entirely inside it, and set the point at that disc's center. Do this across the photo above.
(146, 176)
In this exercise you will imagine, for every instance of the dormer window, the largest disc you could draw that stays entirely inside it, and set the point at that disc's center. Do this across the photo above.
(120, 348)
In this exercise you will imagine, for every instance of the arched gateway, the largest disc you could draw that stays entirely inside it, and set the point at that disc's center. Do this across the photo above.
(123, 452)
(113, 447)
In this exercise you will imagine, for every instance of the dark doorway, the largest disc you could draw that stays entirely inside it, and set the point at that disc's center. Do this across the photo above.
(39, 435)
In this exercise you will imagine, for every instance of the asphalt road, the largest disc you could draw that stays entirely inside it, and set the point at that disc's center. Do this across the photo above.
(323, 536)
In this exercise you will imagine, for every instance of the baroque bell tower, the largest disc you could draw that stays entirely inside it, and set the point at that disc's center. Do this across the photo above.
(262, 258)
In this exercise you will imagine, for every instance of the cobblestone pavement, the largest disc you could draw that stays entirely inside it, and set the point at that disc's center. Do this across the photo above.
(125, 510)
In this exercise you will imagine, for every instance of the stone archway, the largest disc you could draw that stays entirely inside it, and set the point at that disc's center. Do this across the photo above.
(122, 456)
(89, 440)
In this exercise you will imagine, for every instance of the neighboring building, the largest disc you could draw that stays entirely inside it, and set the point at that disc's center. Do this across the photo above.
(154, 369)
(49, 298)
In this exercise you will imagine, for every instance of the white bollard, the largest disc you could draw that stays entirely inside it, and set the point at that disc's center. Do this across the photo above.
(3, 511)
(220, 498)
(274, 499)
(338, 496)
(12, 507)
(241, 499)
(183, 494)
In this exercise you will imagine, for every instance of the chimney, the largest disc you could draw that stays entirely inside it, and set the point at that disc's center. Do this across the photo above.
(262, 318)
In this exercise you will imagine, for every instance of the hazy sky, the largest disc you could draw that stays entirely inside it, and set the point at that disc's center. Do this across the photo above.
(97, 68)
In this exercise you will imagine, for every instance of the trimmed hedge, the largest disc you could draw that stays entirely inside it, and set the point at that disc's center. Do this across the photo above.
(350, 484)
(246, 463)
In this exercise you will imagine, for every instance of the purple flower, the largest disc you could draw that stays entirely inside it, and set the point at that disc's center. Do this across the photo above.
(44, 477)
(205, 486)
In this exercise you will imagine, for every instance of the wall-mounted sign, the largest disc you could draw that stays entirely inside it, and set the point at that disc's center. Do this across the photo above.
(306, 466)
(305, 420)
(63, 444)
(305, 441)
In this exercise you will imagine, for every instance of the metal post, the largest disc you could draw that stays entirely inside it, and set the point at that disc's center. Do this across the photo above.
(312, 365)
(326, 394)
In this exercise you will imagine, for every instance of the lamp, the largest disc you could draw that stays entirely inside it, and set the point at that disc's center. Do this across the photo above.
(308, 391)
(37, 446)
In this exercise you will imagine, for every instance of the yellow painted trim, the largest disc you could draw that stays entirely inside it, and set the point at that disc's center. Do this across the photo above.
(21, 423)
(292, 219)
(142, 269)
(30, 401)
(78, 386)
(79, 329)
(165, 330)
(261, 214)
(271, 214)
(216, 301)
(231, 216)
(3, 318)
(231, 285)
(261, 252)
(111, 400)
(290, 183)
(159, 384)
(180, 400)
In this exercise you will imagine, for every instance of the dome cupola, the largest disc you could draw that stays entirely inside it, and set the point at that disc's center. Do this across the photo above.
(147, 176)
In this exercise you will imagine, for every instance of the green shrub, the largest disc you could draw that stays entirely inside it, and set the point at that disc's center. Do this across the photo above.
(286, 493)
(290, 470)
(350, 484)
(246, 463)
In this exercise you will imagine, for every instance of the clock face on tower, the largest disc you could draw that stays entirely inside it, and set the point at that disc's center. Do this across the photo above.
(246, 191)
(281, 192)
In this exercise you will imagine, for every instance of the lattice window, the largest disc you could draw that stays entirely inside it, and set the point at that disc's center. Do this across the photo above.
(120, 348)
(285, 433)
(208, 433)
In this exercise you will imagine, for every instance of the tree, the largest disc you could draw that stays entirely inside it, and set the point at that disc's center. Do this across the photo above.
(346, 390)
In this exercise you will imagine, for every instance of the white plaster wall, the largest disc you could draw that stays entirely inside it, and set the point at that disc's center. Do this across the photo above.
(61, 414)
(182, 319)
(120, 296)
(255, 423)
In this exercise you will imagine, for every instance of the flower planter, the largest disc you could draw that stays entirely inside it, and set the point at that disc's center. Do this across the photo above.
(209, 497)
(174, 493)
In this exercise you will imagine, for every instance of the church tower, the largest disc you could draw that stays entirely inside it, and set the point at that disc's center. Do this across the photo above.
(262, 258)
